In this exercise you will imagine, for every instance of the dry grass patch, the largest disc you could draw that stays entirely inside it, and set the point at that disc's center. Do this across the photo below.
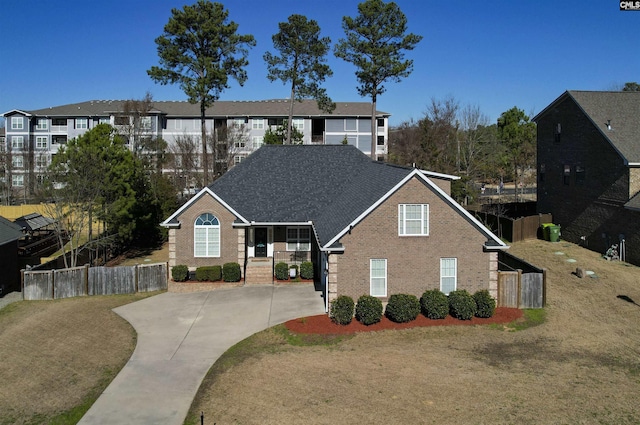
(56, 357)
(580, 366)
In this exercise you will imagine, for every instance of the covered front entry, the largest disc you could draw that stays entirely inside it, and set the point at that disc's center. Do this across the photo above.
(261, 240)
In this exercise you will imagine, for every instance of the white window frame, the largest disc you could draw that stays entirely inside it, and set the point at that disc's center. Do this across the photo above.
(239, 144)
(42, 124)
(17, 180)
(375, 277)
(82, 123)
(145, 123)
(41, 142)
(17, 161)
(448, 274)
(403, 221)
(295, 242)
(177, 124)
(298, 123)
(104, 120)
(206, 236)
(42, 161)
(17, 142)
(257, 141)
(238, 159)
(17, 123)
(353, 127)
(257, 123)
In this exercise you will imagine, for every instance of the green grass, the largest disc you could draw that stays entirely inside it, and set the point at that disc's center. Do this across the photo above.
(532, 317)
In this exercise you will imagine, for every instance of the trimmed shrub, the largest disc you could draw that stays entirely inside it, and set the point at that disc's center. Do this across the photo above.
(306, 270)
(485, 304)
(231, 272)
(282, 271)
(434, 304)
(208, 273)
(461, 305)
(180, 273)
(342, 310)
(368, 310)
(402, 308)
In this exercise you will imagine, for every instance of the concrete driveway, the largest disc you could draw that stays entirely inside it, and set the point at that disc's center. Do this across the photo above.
(179, 337)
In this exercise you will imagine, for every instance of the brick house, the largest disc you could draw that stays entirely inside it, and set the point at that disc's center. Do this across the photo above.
(9, 266)
(367, 226)
(589, 169)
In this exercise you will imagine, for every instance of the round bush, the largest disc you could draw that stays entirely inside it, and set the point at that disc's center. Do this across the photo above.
(282, 271)
(180, 273)
(368, 310)
(306, 270)
(461, 305)
(231, 272)
(485, 304)
(402, 308)
(434, 304)
(342, 310)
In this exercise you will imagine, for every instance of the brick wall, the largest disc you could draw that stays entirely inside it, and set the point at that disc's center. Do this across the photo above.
(413, 263)
(230, 239)
(593, 208)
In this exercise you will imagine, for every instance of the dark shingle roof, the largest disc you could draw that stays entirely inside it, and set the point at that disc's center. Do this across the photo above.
(621, 109)
(9, 231)
(221, 108)
(330, 185)
(634, 203)
(34, 221)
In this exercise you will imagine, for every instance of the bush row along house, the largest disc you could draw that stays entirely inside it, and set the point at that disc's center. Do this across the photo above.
(33, 136)
(589, 169)
(367, 226)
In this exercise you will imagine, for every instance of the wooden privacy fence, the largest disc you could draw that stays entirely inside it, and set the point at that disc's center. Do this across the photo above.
(520, 284)
(81, 281)
(515, 229)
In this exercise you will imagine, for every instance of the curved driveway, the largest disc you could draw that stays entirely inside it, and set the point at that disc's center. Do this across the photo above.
(179, 337)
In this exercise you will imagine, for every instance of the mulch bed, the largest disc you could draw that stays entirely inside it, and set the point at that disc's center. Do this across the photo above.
(322, 324)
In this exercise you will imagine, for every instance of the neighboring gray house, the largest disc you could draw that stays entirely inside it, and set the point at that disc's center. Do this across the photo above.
(9, 267)
(589, 169)
(33, 136)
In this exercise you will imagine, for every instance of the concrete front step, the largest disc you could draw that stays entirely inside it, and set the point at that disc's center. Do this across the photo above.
(258, 275)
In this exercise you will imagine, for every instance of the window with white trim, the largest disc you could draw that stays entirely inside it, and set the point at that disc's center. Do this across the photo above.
(42, 124)
(378, 277)
(298, 123)
(448, 275)
(17, 142)
(413, 219)
(17, 180)
(238, 159)
(206, 236)
(177, 124)
(145, 123)
(257, 141)
(17, 123)
(42, 161)
(104, 120)
(298, 239)
(350, 124)
(82, 123)
(17, 161)
(41, 142)
(257, 123)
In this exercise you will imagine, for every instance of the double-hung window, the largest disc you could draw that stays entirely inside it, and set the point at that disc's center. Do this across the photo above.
(298, 239)
(17, 123)
(257, 123)
(298, 123)
(17, 161)
(41, 142)
(81, 123)
(257, 141)
(42, 124)
(17, 142)
(448, 274)
(413, 219)
(378, 277)
(206, 236)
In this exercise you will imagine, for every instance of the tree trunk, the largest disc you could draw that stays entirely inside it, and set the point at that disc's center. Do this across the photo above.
(290, 119)
(205, 157)
(374, 127)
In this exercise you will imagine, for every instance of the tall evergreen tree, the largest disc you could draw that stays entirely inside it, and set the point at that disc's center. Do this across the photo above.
(375, 43)
(199, 50)
(301, 62)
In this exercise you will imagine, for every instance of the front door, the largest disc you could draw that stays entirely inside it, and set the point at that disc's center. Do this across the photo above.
(261, 241)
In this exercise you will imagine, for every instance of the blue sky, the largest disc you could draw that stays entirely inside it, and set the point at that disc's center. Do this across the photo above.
(495, 54)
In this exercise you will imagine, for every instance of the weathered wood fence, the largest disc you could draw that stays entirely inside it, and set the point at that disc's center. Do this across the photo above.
(514, 229)
(82, 281)
(520, 284)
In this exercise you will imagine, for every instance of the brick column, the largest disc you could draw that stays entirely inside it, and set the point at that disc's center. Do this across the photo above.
(493, 274)
(241, 248)
(333, 277)
(172, 247)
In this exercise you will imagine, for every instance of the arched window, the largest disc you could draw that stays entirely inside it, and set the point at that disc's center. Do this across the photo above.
(206, 236)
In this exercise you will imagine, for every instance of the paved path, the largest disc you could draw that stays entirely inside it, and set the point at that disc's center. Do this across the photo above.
(179, 337)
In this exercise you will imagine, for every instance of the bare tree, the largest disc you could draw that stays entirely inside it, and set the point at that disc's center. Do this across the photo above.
(184, 160)
(472, 140)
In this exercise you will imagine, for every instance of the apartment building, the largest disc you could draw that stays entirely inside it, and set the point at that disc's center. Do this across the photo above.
(34, 136)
